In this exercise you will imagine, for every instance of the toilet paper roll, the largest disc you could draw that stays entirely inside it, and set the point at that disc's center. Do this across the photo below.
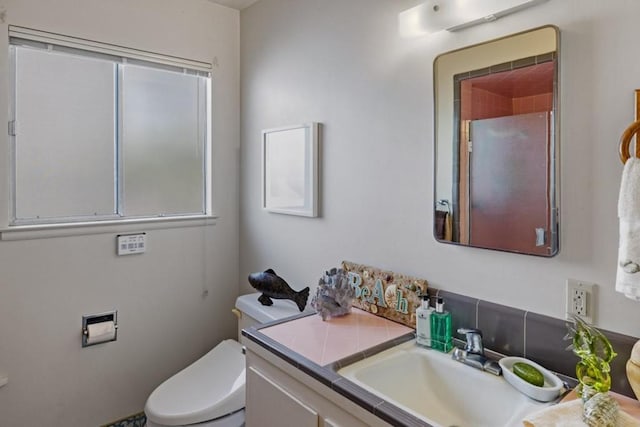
(101, 332)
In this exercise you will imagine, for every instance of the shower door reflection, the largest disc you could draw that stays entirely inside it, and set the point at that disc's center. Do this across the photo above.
(508, 204)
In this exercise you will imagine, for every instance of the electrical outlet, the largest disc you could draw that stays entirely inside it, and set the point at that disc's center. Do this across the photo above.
(581, 298)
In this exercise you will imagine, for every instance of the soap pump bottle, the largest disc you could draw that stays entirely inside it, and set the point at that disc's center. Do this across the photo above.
(423, 322)
(441, 337)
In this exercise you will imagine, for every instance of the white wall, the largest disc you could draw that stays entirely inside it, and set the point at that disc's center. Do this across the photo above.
(342, 63)
(46, 285)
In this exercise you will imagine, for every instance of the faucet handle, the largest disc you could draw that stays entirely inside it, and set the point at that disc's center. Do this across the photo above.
(467, 331)
(474, 340)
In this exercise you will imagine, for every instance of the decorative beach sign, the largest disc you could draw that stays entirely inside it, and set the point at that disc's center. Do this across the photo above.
(385, 293)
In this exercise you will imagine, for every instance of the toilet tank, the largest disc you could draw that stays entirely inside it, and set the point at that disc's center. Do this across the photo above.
(251, 312)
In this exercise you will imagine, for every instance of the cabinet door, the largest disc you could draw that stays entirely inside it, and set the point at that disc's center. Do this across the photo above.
(269, 405)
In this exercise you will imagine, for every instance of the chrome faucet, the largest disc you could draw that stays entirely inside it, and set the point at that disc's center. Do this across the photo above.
(474, 341)
(473, 352)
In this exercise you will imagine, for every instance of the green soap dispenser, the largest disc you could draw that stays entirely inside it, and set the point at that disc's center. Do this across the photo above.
(441, 338)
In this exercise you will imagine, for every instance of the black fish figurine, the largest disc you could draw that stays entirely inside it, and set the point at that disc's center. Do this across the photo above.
(273, 286)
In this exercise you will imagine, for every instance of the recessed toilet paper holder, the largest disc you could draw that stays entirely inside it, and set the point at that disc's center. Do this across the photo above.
(99, 328)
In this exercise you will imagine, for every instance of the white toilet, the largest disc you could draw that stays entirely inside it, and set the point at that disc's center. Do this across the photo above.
(211, 391)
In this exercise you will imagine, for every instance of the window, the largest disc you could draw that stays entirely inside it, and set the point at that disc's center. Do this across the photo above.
(98, 135)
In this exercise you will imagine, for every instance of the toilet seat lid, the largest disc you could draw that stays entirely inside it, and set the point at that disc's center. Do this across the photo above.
(211, 387)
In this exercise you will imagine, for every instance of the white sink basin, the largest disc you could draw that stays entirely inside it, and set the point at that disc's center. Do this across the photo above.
(441, 391)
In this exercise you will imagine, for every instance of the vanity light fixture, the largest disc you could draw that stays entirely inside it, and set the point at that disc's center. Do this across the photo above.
(454, 15)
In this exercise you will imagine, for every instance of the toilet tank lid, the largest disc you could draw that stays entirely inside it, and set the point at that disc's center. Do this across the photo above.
(280, 309)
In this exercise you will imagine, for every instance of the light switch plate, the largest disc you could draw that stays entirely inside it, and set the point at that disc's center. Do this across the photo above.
(128, 244)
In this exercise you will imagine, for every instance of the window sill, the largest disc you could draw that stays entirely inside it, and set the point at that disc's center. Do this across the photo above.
(45, 231)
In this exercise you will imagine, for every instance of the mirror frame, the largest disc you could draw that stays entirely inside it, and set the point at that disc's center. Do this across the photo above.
(441, 120)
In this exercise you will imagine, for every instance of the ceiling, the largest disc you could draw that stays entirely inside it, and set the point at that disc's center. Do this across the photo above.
(235, 4)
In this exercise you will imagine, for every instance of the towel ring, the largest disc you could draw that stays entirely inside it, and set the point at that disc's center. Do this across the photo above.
(625, 141)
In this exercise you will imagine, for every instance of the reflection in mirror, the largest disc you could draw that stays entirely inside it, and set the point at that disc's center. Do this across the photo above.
(496, 146)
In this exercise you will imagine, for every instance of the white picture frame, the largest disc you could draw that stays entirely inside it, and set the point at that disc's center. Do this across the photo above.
(290, 170)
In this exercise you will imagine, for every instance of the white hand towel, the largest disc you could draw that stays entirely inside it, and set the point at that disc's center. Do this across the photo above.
(569, 414)
(628, 272)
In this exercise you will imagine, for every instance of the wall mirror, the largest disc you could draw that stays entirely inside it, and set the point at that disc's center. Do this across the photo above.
(496, 144)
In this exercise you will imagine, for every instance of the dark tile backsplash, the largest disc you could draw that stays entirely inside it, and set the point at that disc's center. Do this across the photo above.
(515, 332)
(622, 344)
(462, 309)
(502, 328)
(545, 343)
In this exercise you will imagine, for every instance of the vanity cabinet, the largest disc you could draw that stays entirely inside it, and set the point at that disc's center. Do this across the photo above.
(279, 395)
(269, 402)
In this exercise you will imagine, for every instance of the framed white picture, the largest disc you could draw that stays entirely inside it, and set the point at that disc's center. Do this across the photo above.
(290, 170)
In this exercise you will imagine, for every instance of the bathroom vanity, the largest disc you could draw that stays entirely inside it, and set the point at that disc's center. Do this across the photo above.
(286, 388)
(296, 375)
(292, 376)
(279, 394)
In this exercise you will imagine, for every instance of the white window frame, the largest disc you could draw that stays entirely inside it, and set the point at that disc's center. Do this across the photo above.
(123, 55)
